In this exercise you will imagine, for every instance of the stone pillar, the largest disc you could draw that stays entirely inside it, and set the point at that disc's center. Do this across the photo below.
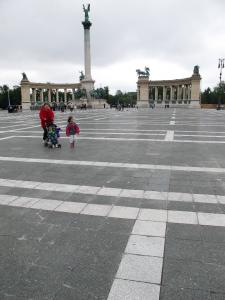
(171, 92)
(143, 87)
(87, 54)
(73, 98)
(178, 92)
(65, 95)
(188, 92)
(49, 95)
(195, 88)
(34, 95)
(42, 95)
(25, 93)
(57, 96)
(184, 92)
(156, 93)
(87, 82)
(164, 93)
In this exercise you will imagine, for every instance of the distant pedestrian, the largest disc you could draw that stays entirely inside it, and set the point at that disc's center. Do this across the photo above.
(72, 130)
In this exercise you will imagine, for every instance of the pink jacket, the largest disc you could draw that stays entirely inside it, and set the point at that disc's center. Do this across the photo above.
(72, 128)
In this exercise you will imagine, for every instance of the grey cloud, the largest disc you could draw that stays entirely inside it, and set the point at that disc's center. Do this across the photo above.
(42, 33)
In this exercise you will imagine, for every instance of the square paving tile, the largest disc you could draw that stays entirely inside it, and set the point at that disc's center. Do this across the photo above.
(143, 245)
(46, 204)
(182, 217)
(140, 268)
(124, 289)
(71, 207)
(124, 212)
(149, 228)
(96, 210)
(153, 215)
(211, 219)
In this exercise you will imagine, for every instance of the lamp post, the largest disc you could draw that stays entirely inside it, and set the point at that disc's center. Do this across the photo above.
(220, 67)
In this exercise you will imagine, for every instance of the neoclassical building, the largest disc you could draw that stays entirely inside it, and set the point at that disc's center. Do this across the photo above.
(177, 91)
(32, 92)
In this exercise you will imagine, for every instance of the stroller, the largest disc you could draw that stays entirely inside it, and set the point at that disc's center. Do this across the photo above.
(53, 136)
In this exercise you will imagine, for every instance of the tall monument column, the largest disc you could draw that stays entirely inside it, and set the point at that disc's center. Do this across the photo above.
(87, 82)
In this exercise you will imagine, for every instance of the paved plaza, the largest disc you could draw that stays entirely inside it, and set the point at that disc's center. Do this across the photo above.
(135, 212)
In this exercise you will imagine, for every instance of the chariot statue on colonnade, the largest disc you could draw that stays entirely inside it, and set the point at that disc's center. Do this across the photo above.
(143, 73)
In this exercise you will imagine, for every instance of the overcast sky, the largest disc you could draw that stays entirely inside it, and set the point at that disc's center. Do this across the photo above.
(44, 38)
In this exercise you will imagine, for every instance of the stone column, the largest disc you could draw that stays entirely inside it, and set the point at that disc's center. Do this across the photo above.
(34, 95)
(49, 95)
(164, 93)
(73, 98)
(184, 92)
(143, 95)
(156, 93)
(65, 95)
(87, 54)
(42, 95)
(57, 96)
(171, 92)
(189, 92)
(25, 93)
(178, 93)
(195, 89)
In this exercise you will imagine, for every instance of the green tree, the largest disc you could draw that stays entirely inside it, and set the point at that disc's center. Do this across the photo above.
(9, 95)
(215, 96)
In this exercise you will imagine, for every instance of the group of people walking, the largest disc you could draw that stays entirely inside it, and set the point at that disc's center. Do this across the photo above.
(47, 116)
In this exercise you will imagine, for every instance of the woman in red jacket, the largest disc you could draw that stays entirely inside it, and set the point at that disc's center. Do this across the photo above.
(47, 117)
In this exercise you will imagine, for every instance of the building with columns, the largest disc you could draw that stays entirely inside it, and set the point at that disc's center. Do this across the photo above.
(31, 92)
(178, 91)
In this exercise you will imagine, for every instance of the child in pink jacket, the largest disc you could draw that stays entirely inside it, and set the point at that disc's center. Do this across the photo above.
(72, 129)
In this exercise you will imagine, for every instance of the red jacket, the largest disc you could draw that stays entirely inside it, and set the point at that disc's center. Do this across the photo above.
(46, 116)
(72, 128)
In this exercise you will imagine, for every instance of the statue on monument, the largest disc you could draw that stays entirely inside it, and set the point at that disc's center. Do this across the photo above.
(86, 11)
(145, 73)
(24, 76)
(196, 70)
(81, 75)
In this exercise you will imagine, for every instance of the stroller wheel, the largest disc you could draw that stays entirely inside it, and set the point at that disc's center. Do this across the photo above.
(59, 146)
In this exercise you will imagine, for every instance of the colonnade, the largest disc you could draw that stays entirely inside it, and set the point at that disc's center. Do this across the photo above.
(176, 91)
(33, 92)
(170, 93)
(52, 94)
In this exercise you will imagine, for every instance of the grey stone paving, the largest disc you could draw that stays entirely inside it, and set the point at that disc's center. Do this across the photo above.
(58, 255)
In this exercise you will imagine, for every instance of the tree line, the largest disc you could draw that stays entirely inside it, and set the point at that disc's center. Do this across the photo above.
(9, 96)
(215, 95)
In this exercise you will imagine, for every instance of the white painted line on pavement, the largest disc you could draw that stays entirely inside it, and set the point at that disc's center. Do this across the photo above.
(169, 136)
(111, 164)
(6, 138)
